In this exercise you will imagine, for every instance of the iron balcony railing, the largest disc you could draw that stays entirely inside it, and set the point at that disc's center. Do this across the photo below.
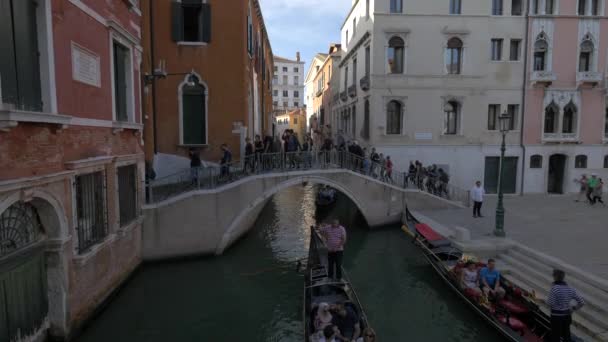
(352, 90)
(364, 83)
(213, 177)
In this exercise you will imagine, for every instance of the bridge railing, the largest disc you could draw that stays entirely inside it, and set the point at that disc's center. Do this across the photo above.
(160, 189)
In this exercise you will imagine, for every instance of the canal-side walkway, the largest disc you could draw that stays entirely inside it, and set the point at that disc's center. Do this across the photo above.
(555, 225)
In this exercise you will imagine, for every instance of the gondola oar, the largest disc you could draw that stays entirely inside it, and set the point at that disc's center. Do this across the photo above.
(288, 264)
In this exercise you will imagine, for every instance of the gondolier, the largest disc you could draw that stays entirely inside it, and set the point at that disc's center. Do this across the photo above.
(559, 300)
(335, 238)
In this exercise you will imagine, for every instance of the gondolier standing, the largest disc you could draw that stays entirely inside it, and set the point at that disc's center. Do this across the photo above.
(335, 238)
(559, 300)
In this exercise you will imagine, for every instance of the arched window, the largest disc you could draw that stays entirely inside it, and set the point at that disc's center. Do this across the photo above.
(395, 55)
(194, 115)
(536, 161)
(580, 162)
(551, 113)
(394, 122)
(606, 161)
(19, 227)
(569, 120)
(595, 7)
(454, 56)
(540, 53)
(585, 58)
(452, 117)
(365, 130)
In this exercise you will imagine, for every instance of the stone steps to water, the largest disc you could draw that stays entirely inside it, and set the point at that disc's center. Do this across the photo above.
(530, 269)
(597, 295)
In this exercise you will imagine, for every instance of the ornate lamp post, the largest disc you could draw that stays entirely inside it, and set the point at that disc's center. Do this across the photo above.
(504, 121)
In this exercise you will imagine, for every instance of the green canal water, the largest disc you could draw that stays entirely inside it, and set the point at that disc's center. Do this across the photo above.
(253, 293)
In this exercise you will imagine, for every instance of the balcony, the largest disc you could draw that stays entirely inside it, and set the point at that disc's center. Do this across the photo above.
(319, 92)
(364, 83)
(352, 90)
(560, 137)
(343, 96)
(336, 97)
(542, 77)
(588, 77)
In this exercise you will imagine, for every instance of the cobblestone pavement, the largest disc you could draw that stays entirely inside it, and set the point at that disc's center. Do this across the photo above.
(576, 233)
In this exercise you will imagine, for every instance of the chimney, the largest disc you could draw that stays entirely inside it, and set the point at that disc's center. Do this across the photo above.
(298, 56)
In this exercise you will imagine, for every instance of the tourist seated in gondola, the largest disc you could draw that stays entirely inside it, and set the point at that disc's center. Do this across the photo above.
(369, 335)
(329, 334)
(323, 317)
(489, 278)
(469, 279)
(347, 322)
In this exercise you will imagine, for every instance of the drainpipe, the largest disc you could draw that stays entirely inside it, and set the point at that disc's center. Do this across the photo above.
(152, 61)
(523, 104)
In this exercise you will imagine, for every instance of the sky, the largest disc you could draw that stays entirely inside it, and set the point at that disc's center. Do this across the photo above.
(308, 26)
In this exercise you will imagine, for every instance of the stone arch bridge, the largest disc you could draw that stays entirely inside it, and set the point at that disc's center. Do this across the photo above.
(208, 221)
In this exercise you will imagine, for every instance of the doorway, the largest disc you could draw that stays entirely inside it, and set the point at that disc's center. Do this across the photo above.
(557, 170)
(509, 180)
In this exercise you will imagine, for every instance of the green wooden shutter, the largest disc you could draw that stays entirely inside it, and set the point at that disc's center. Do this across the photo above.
(177, 21)
(26, 54)
(8, 70)
(120, 81)
(206, 23)
(194, 125)
(4, 336)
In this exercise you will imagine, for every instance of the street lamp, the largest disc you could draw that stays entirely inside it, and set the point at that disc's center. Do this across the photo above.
(504, 121)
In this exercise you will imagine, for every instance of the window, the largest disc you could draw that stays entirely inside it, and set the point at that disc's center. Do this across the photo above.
(393, 118)
(454, 56)
(192, 23)
(606, 162)
(296, 80)
(275, 79)
(296, 94)
(276, 68)
(19, 61)
(396, 6)
(346, 78)
(285, 80)
(395, 55)
(194, 115)
(455, 6)
(91, 210)
(285, 104)
(582, 7)
(296, 69)
(580, 161)
(367, 61)
(275, 92)
(354, 26)
(365, 130)
(122, 81)
(493, 113)
(536, 161)
(497, 7)
(296, 104)
(514, 49)
(516, 7)
(127, 194)
(496, 49)
(606, 124)
(353, 118)
(584, 60)
(285, 93)
(346, 36)
(275, 103)
(551, 118)
(569, 120)
(595, 7)
(354, 71)
(535, 4)
(295, 120)
(249, 32)
(367, 9)
(549, 6)
(540, 54)
(452, 118)
(513, 110)
(285, 69)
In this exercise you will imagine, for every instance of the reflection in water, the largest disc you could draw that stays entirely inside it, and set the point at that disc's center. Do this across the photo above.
(252, 293)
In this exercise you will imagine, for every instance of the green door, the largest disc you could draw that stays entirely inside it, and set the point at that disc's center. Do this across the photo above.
(509, 181)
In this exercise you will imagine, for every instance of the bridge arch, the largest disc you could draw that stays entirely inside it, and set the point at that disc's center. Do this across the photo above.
(238, 226)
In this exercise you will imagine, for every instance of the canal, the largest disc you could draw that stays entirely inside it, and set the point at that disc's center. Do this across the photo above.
(253, 293)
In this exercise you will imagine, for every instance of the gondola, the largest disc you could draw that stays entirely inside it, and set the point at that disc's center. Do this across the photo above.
(325, 197)
(517, 316)
(319, 288)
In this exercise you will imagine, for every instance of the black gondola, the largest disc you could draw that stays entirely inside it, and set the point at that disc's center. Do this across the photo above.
(319, 288)
(326, 197)
(516, 316)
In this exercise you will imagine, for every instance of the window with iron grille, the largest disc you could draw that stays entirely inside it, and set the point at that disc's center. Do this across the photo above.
(127, 194)
(91, 210)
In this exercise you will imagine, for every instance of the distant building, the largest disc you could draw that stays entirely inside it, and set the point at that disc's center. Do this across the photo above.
(288, 84)
(71, 161)
(294, 120)
(214, 92)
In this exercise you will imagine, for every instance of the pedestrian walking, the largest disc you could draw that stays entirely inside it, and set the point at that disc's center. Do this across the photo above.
(560, 298)
(598, 191)
(225, 161)
(259, 148)
(195, 165)
(335, 239)
(389, 169)
(249, 162)
(477, 194)
(375, 157)
(583, 187)
(592, 183)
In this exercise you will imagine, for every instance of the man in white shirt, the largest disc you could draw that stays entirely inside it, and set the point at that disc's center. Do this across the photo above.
(477, 194)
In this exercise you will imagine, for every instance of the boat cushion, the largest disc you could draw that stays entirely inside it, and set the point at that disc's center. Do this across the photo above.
(514, 323)
(512, 307)
(428, 233)
(471, 293)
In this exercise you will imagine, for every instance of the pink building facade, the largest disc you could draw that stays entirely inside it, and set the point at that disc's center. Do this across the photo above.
(71, 160)
(566, 117)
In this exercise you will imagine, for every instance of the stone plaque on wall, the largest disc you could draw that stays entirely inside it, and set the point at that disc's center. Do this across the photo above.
(85, 66)
(423, 136)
